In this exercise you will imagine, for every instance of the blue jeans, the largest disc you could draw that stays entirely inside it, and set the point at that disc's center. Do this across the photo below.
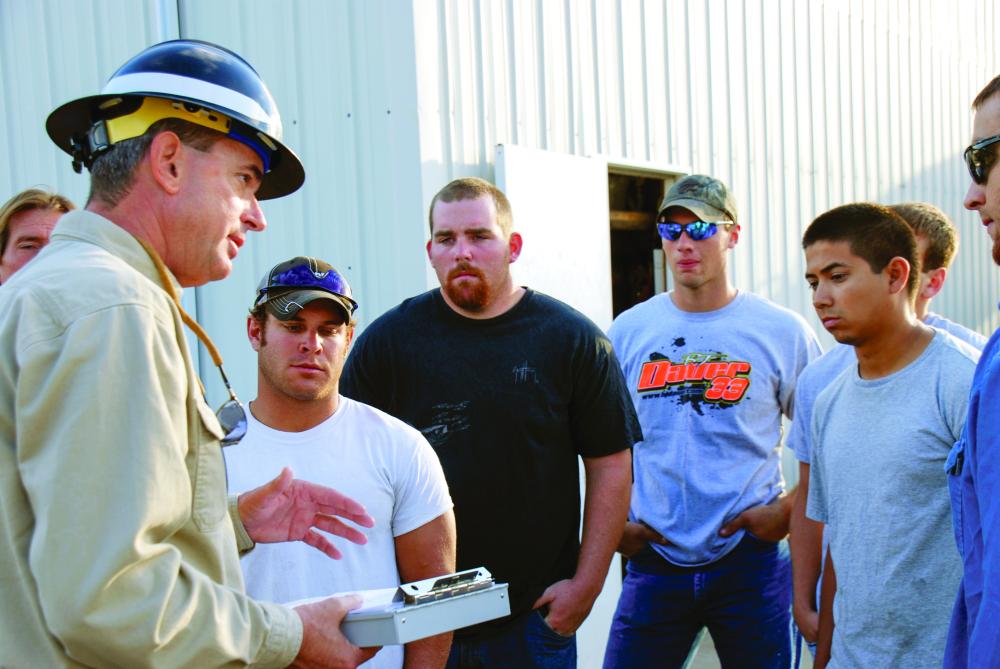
(743, 598)
(525, 643)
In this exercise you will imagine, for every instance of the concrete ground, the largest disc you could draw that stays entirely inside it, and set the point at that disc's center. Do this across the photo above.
(707, 659)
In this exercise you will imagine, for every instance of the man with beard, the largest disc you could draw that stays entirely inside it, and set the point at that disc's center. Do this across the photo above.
(509, 386)
(301, 326)
(974, 637)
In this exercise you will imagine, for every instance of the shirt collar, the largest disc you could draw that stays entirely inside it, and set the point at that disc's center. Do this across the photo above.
(86, 226)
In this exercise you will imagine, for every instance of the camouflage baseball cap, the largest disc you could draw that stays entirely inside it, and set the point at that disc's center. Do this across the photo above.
(706, 197)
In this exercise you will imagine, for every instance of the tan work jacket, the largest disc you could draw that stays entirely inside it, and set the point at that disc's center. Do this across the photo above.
(116, 547)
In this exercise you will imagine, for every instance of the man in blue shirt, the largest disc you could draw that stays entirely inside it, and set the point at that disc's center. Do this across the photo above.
(974, 465)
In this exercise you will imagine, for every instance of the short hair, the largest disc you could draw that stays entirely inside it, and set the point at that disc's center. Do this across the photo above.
(26, 200)
(988, 91)
(473, 188)
(932, 224)
(874, 232)
(113, 172)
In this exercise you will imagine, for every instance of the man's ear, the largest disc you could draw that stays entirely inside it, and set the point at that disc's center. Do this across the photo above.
(166, 161)
(898, 271)
(254, 332)
(934, 284)
(734, 236)
(515, 244)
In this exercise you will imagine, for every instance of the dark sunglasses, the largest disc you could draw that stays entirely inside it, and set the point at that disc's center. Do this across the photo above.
(302, 276)
(980, 157)
(696, 230)
(231, 415)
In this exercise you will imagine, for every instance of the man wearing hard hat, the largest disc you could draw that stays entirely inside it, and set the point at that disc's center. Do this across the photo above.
(117, 541)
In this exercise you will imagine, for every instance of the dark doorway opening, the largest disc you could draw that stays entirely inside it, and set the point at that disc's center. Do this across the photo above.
(637, 270)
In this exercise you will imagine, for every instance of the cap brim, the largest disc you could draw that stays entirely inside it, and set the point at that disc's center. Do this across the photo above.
(285, 177)
(287, 305)
(703, 211)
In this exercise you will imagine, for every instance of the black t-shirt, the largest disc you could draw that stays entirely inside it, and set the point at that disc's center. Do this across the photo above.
(507, 403)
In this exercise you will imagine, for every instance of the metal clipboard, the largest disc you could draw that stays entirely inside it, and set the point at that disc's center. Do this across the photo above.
(432, 606)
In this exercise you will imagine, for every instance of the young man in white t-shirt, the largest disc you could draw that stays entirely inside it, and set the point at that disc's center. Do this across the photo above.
(301, 326)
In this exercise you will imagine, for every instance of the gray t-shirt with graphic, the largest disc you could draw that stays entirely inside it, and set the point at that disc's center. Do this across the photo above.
(709, 389)
(877, 480)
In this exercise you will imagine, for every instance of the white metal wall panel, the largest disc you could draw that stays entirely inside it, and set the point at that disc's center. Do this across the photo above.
(344, 78)
(52, 52)
(343, 75)
(575, 190)
(800, 106)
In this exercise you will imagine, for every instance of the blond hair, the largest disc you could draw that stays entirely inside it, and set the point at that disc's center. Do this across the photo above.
(26, 200)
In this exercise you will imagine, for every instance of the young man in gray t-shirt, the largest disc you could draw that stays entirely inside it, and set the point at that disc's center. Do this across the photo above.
(881, 434)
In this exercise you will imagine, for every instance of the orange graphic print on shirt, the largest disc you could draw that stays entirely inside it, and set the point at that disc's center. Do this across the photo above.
(696, 378)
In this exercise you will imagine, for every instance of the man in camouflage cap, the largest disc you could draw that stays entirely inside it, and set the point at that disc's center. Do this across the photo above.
(711, 371)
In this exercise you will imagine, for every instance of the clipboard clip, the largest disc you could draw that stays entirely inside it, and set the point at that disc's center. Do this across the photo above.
(443, 587)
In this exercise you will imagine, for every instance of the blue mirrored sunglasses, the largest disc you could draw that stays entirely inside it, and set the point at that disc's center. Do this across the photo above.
(302, 276)
(696, 230)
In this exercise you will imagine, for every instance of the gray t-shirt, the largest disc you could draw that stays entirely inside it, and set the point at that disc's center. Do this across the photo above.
(710, 389)
(970, 337)
(877, 480)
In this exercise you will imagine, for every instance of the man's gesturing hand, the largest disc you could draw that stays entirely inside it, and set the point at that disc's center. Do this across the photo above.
(289, 509)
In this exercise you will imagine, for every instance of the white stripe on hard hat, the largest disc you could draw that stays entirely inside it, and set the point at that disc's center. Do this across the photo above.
(171, 85)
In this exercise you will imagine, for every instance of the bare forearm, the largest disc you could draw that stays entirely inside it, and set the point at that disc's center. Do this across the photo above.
(609, 481)
(806, 542)
(824, 640)
(765, 521)
(609, 486)
(426, 552)
(429, 653)
(786, 505)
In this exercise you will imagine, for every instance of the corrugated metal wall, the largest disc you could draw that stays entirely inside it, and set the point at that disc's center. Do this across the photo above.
(51, 52)
(344, 77)
(799, 106)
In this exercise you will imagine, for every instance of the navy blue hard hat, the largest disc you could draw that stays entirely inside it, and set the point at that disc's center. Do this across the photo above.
(195, 81)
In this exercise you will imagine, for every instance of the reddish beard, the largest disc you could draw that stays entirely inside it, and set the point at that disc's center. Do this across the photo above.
(473, 294)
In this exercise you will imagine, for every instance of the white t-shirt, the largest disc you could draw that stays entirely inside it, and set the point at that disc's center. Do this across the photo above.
(366, 454)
